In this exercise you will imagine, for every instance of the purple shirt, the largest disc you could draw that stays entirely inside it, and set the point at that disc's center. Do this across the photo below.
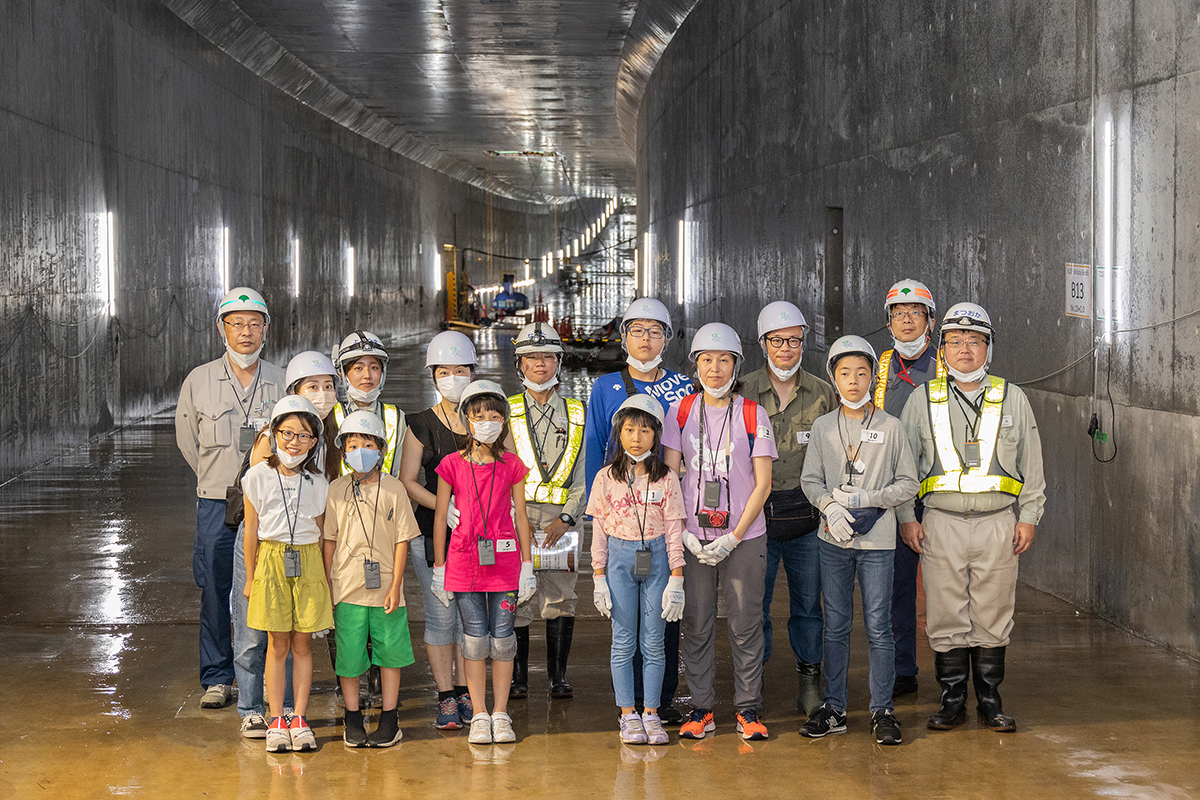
(723, 433)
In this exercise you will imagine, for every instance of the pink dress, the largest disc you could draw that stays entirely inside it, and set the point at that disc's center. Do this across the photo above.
(491, 487)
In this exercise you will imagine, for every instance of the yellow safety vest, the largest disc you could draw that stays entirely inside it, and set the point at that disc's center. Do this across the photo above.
(881, 378)
(947, 474)
(551, 489)
(391, 423)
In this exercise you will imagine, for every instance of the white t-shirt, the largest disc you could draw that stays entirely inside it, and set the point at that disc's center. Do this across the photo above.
(261, 486)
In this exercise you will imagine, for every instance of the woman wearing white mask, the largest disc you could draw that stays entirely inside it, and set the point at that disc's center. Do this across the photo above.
(434, 434)
(729, 446)
(361, 361)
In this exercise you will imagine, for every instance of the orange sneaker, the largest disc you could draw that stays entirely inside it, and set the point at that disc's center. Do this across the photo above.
(698, 723)
(749, 726)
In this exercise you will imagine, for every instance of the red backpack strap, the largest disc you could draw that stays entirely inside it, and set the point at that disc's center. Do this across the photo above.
(750, 418)
(685, 409)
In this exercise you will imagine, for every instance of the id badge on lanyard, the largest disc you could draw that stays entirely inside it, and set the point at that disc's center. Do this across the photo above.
(971, 453)
(641, 563)
(246, 436)
(371, 574)
(487, 553)
(291, 563)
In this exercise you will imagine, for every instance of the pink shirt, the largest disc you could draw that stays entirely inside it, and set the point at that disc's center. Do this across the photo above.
(616, 509)
(463, 571)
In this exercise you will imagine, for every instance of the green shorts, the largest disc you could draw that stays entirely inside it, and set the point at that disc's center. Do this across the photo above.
(391, 646)
(278, 603)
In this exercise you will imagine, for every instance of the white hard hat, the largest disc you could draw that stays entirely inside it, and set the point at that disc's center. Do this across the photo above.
(850, 345)
(968, 317)
(357, 345)
(909, 291)
(537, 337)
(450, 349)
(780, 314)
(295, 404)
(641, 402)
(361, 422)
(476, 389)
(305, 365)
(715, 336)
(647, 308)
(243, 298)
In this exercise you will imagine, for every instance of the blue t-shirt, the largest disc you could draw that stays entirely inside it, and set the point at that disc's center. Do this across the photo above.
(607, 395)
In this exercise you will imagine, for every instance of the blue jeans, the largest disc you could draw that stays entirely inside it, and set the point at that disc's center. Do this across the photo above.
(212, 569)
(442, 623)
(637, 622)
(250, 645)
(874, 569)
(802, 564)
(488, 615)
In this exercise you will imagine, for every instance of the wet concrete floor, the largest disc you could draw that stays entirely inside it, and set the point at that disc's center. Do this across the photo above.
(98, 648)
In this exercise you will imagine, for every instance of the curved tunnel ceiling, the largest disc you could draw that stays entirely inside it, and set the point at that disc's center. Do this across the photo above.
(448, 81)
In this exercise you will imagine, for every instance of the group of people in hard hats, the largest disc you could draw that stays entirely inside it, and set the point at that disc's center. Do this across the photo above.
(697, 485)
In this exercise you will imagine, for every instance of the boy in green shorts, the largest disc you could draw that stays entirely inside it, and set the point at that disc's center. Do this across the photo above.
(368, 522)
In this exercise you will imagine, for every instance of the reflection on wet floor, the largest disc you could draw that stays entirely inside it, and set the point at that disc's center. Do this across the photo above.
(98, 646)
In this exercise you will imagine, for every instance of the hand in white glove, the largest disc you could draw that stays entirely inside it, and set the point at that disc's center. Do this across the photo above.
(439, 586)
(672, 599)
(851, 497)
(452, 515)
(837, 520)
(601, 596)
(719, 549)
(693, 544)
(322, 634)
(528, 583)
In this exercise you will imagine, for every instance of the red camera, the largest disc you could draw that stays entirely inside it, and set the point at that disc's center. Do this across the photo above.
(713, 519)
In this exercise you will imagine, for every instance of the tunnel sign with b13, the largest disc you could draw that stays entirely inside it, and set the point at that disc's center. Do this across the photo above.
(1079, 291)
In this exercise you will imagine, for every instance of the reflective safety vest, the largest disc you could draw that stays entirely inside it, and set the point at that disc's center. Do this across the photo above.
(391, 423)
(947, 473)
(881, 378)
(547, 488)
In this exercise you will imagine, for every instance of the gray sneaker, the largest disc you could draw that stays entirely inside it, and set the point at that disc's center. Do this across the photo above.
(655, 732)
(632, 730)
(217, 696)
(254, 726)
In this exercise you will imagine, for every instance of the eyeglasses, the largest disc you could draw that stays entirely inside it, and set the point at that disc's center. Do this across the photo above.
(914, 315)
(288, 436)
(241, 326)
(640, 332)
(793, 342)
(970, 344)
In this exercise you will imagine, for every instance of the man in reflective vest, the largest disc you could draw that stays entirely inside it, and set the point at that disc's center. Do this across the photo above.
(911, 362)
(547, 432)
(361, 362)
(980, 460)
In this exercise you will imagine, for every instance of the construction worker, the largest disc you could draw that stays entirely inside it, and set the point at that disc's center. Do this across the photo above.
(222, 406)
(911, 362)
(547, 433)
(361, 362)
(793, 399)
(979, 458)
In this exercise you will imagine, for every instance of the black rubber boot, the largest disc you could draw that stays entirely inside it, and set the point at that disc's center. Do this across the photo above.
(519, 689)
(387, 733)
(355, 734)
(558, 647)
(808, 698)
(952, 670)
(987, 664)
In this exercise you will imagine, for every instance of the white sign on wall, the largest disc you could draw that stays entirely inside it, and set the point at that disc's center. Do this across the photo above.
(1079, 291)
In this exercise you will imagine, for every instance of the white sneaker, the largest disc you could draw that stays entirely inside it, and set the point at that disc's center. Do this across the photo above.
(217, 696)
(279, 738)
(254, 726)
(303, 740)
(481, 729)
(502, 730)
(655, 733)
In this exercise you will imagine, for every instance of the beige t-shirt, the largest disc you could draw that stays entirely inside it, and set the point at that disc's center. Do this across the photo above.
(386, 520)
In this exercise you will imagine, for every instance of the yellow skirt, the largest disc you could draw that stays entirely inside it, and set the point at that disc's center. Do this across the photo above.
(278, 603)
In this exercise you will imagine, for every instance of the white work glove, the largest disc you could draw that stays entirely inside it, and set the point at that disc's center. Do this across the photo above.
(321, 634)
(601, 596)
(851, 497)
(672, 599)
(528, 584)
(719, 549)
(452, 515)
(838, 520)
(693, 544)
(439, 586)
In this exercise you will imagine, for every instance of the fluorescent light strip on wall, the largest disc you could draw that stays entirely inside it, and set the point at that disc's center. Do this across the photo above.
(350, 271)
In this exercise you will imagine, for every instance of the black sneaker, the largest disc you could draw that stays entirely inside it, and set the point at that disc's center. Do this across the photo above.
(387, 733)
(886, 727)
(905, 684)
(670, 715)
(827, 720)
(355, 734)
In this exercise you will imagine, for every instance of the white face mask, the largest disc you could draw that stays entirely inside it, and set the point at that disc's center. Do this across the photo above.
(866, 398)
(245, 361)
(720, 391)
(643, 366)
(451, 386)
(783, 374)
(968, 377)
(290, 461)
(911, 350)
(359, 396)
(540, 387)
(486, 432)
(637, 459)
(323, 402)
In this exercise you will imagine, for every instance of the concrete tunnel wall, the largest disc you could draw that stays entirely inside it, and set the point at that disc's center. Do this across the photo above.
(122, 107)
(963, 141)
